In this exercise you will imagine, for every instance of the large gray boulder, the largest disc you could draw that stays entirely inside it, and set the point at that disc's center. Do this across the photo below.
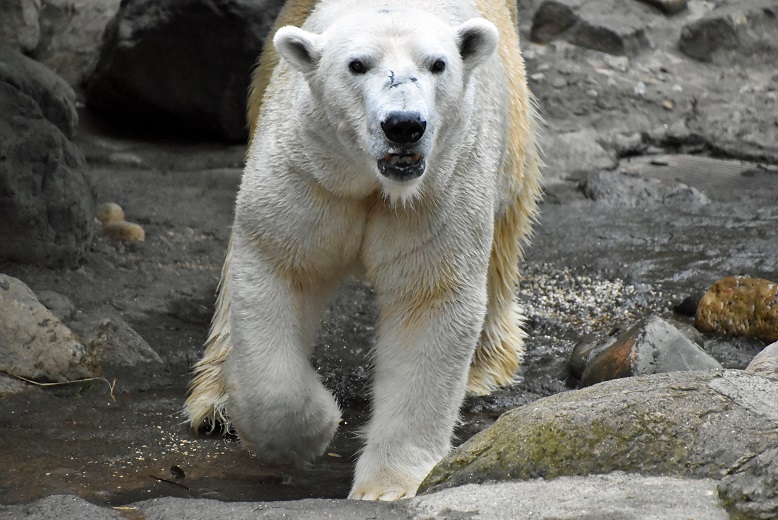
(181, 64)
(34, 344)
(696, 424)
(46, 202)
(54, 96)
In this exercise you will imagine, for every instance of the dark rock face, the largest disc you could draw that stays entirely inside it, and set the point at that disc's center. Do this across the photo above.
(733, 32)
(46, 202)
(52, 94)
(594, 25)
(181, 64)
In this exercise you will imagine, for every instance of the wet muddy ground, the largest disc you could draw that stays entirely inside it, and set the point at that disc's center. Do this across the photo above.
(127, 443)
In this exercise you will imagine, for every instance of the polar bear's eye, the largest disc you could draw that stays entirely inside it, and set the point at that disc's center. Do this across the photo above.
(357, 67)
(438, 67)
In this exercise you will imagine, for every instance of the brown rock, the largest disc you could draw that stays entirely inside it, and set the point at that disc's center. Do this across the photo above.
(740, 306)
(651, 346)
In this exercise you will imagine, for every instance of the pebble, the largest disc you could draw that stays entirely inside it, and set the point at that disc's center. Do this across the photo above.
(125, 231)
(110, 212)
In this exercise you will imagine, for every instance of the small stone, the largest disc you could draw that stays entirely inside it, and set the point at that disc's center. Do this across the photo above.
(115, 343)
(110, 212)
(559, 83)
(125, 231)
(766, 362)
(668, 104)
(652, 346)
(740, 306)
(35, 344)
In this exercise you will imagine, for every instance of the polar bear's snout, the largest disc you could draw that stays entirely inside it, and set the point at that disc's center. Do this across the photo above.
(404, 128)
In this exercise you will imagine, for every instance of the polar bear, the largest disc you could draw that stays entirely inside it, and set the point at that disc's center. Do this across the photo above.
(393, 140)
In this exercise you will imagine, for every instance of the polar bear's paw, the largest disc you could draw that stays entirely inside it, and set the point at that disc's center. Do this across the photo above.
(292, 430)
(385, 485)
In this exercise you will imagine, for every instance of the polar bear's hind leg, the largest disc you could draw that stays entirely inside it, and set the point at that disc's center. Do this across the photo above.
(205, 406)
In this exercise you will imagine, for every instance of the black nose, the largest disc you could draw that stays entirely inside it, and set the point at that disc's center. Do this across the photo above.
(404, 127)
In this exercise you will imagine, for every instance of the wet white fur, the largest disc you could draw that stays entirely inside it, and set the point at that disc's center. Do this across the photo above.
(313, 209)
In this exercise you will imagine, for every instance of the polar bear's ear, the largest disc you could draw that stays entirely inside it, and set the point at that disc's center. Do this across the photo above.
(477, 39)
(301, 48)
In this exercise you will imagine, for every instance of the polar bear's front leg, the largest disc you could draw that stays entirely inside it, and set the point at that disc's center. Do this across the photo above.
(277, 402)
(422, 353)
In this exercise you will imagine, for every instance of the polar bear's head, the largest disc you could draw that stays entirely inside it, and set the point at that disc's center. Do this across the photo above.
(389, 83)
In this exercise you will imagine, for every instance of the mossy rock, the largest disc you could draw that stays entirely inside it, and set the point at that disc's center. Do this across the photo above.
(678, 424)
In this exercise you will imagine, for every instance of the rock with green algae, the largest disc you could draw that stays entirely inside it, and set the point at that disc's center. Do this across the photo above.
(681, 424)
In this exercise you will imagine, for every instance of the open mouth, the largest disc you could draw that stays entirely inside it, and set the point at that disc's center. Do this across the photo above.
(402, 167)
